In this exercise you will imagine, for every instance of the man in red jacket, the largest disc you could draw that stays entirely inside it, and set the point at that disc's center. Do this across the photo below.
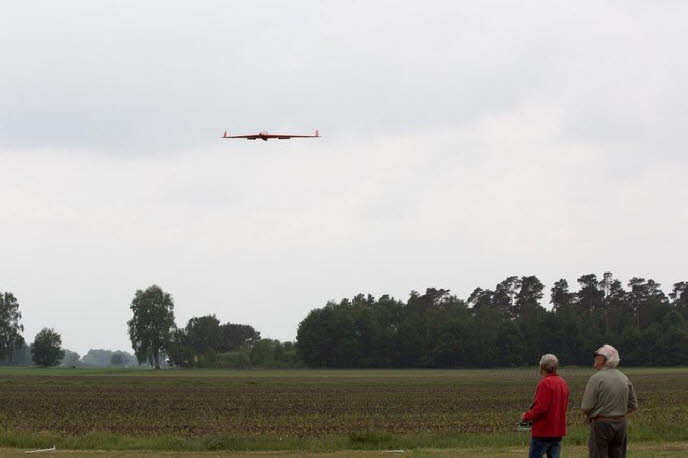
(548, 412)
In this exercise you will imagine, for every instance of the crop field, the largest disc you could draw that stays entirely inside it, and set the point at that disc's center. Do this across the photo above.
(315, 410)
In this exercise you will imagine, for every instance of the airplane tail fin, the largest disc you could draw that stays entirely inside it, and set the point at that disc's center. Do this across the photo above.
(317, 134)
(225, 135)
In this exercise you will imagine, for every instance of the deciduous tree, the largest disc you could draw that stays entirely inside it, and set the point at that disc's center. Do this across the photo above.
(10, 326)
(150, 329)
(46, 349)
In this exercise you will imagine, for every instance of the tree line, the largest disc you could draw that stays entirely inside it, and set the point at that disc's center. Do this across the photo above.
(156, 341)
(94, 358)
(504, 326)
(46, 349)
(203, 342)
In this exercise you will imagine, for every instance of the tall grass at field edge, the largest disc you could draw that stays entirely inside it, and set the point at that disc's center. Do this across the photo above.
(363, 440)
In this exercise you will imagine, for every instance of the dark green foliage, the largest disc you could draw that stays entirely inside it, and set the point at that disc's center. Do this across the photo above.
(506, 326)
(180, 349)
(46, 349)
(204, 334)
(680, 297)
(511, 345)
(237, 359)
(235, 336)
(118, 359)
(359, 333)
(263, 353)
(207, 343)
(10, 326)
(150, 329)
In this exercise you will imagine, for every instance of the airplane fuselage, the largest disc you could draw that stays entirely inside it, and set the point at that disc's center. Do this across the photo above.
(265, 136)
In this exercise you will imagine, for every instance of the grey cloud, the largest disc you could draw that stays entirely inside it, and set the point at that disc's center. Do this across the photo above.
(462, 143)
(124, 76)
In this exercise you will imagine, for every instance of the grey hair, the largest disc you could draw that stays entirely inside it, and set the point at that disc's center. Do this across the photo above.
(549, 363)
(611, 356)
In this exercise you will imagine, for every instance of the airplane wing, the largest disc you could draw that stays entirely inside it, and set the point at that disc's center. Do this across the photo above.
(288, 136)
(250, 137)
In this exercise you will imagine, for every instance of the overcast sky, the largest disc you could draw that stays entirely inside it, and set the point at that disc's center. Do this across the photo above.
(462, 142)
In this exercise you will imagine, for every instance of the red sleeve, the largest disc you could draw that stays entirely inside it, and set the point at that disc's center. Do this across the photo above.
(543, 399)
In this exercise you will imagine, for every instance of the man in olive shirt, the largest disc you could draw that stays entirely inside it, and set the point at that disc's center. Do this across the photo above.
(608, 397)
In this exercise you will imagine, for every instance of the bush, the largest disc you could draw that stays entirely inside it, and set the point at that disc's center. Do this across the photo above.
(238, 359)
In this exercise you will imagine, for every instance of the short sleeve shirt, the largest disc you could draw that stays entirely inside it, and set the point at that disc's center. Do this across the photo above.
(609, 393)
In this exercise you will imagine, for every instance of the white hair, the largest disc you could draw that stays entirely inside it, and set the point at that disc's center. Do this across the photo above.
(611, 355)
(549, 363)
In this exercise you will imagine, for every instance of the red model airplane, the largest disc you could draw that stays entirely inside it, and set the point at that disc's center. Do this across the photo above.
(264, 135)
